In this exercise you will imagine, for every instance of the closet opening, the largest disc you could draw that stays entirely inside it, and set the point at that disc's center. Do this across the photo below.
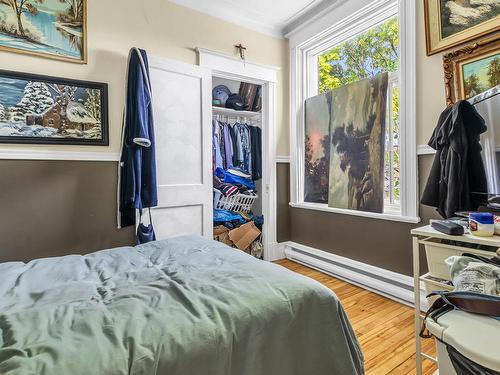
(237, 164)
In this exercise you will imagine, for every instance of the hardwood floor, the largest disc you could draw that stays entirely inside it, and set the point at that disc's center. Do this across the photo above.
(384, 327)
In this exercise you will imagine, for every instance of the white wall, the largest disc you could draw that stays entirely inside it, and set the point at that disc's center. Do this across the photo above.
(163, 29)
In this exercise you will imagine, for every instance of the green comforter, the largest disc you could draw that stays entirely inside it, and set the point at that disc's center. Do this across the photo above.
(185, 305)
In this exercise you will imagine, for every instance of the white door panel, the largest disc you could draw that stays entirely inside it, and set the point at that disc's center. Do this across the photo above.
(178, 221)
(182, 107)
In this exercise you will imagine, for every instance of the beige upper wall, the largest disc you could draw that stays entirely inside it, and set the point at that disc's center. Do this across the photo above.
(163, 29)
(431, 99)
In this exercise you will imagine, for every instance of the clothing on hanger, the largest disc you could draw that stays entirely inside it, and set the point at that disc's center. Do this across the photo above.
(458, 173)
(137, 187)
(237, 145)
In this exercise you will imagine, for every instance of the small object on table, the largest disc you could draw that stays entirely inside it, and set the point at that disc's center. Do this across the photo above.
(497, 225)
(481, 224)
(494, 202)
(448, 227)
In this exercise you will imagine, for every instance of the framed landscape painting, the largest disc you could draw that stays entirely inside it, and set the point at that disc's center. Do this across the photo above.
(41, 109)
(50, 28)
(472, 70)
(449, 23)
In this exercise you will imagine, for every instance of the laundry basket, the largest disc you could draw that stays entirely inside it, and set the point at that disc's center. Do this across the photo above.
(475, 337)
(236, 202)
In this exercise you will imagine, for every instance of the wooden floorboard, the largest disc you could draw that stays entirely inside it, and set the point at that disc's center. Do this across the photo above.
(384, 327)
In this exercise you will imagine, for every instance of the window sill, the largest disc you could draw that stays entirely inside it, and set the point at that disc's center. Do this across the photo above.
(371, 215)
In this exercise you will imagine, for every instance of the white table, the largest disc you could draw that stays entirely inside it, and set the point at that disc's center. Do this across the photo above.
(426, 233)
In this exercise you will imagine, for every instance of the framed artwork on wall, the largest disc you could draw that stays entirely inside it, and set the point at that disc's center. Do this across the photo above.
(50, 28)
(41, 109)
(472, 70)
(449, 23)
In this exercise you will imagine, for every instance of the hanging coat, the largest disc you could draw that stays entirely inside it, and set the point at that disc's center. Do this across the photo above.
(137, 172)
(457, 174)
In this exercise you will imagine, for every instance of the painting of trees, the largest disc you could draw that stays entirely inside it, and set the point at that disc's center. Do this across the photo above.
(317, 148)
(19, 7)
(52, 28)
(358, 144)
(36, 99)
(494, 72)
(317, 171)
(472, 86)
(74, 13)
(92, 103)
(365, 56)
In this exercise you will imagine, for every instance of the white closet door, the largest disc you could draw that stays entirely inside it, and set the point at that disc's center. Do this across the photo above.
(182, 107)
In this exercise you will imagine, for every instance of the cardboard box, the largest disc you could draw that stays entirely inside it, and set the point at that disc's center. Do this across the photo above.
(221, 234)
(243, 236)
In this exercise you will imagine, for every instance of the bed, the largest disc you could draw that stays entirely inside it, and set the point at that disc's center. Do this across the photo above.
(182, 306)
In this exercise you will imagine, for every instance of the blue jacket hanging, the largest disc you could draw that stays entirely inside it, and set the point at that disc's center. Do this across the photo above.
(137, 171)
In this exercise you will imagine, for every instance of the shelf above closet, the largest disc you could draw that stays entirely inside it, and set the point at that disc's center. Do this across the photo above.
(233, 113)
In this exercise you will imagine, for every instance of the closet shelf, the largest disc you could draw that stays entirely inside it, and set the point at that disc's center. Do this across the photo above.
(233, 113)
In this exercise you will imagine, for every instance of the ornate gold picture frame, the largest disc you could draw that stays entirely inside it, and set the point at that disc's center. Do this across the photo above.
(471, 70)
(449, 23)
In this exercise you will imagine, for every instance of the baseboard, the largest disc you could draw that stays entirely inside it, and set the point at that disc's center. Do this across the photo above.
(275, 252)
(387, 283)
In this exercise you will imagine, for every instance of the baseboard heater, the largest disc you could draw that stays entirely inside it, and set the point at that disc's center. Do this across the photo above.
(378, 280)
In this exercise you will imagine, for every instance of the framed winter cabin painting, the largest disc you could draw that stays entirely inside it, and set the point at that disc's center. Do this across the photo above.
(41, 109)
(50, 28)
(449, 23)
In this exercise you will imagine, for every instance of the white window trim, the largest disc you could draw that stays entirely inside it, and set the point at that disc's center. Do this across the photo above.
(303, 53)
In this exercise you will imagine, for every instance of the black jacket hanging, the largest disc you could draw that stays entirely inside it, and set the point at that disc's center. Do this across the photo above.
(457, 173)
(256, 136)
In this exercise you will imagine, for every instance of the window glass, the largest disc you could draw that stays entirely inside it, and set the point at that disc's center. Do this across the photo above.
(373, 52)
(366, 55)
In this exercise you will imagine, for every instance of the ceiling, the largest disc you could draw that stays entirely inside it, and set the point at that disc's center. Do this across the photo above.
(271, 17)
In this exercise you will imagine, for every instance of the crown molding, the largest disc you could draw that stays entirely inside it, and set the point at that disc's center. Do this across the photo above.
(229, 14)
(310, 15)
(307, 14)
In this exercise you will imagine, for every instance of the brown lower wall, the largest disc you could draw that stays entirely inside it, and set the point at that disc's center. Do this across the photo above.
(381, 243)
(283, 200)
(54, 208)
(51, 208)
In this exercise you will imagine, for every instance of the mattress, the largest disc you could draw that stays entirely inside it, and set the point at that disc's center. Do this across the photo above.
(185, 305)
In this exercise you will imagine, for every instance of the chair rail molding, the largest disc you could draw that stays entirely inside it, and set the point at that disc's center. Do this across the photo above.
(18, 153)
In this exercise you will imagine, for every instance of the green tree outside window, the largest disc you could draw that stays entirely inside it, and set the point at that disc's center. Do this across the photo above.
(366, 55)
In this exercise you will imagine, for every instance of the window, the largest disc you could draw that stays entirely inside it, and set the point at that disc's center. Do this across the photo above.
(363, 45)
(372, 52)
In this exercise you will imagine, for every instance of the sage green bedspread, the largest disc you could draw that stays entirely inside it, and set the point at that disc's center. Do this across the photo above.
(183, 306)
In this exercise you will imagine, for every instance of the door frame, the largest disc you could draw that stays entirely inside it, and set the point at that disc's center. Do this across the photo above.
(229, 67)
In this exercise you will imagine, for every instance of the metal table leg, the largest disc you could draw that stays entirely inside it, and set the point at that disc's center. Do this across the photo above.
(416, 276)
